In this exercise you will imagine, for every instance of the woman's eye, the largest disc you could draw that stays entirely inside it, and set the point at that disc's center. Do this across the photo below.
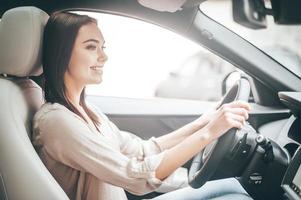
(103, 47)
(91, 47)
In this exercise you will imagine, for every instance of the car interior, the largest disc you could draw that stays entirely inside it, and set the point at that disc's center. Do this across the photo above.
(264, 156)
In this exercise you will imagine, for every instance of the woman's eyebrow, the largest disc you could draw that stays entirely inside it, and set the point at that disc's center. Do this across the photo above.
(91, 40)
(94, 40)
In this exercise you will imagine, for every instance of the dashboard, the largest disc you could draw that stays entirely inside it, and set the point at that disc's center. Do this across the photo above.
(277, 167)
(291, 183)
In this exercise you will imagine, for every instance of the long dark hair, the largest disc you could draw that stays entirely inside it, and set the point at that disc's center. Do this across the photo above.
(59, 37)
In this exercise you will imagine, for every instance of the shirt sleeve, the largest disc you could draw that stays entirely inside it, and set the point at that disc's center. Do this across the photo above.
(68, 140)
(178, 179)
(133, 146)
(130, 144)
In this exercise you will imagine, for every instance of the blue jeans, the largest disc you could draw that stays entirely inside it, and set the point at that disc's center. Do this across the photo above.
(222, 189)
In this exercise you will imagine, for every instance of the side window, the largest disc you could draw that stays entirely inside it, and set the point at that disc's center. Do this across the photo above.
(146, 61)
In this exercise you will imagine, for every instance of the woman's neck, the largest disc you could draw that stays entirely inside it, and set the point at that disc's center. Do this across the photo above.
(74, 98)
(73, 91)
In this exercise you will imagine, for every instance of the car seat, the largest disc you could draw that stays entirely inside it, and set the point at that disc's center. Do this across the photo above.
(22, 173)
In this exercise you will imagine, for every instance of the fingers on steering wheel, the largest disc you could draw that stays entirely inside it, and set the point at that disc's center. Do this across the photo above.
(240, 111)
(235, 110)
(235, 120)
(240, 104)
(238, 124)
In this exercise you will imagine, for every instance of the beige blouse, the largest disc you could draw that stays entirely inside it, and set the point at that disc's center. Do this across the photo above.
(90, 165)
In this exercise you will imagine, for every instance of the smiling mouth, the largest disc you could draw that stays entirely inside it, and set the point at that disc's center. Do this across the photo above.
(97, 68)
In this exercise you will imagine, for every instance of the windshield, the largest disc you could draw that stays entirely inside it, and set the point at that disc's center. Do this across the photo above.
(281, 42)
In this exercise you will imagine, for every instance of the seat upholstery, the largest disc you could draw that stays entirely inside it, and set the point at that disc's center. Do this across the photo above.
(33, 95)
(22, 173)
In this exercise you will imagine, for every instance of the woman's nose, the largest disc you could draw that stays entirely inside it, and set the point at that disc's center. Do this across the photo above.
(102, 56)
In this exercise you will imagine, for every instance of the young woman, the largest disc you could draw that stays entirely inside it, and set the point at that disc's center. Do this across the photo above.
(85, 152)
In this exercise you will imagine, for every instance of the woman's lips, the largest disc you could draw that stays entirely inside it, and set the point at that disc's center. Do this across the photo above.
(96, 68)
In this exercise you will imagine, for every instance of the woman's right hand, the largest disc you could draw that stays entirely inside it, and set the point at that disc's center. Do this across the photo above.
(230, 115)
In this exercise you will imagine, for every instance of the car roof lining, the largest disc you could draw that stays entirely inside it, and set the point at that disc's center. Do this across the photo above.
(50, 6)
(129, 8)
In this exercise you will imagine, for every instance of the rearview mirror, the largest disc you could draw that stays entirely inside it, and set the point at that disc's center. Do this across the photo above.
(249, 13)
(286, 12)
(252, 13)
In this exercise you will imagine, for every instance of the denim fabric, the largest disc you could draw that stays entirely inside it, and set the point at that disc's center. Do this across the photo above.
(223, 189)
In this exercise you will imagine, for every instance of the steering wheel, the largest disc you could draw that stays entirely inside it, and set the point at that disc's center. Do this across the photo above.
(205, 163)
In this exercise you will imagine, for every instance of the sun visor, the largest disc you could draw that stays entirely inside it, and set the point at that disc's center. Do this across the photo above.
(163, 5)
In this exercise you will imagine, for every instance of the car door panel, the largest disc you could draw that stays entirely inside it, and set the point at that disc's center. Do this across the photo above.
(147, 118)
(156, 117)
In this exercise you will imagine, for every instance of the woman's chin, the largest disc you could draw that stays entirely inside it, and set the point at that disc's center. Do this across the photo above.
(98, 81)
(95, 81)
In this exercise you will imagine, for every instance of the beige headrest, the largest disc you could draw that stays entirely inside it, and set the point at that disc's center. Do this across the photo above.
(21, 36)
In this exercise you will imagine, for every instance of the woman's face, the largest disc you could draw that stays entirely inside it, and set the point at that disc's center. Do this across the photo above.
(87, 57)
